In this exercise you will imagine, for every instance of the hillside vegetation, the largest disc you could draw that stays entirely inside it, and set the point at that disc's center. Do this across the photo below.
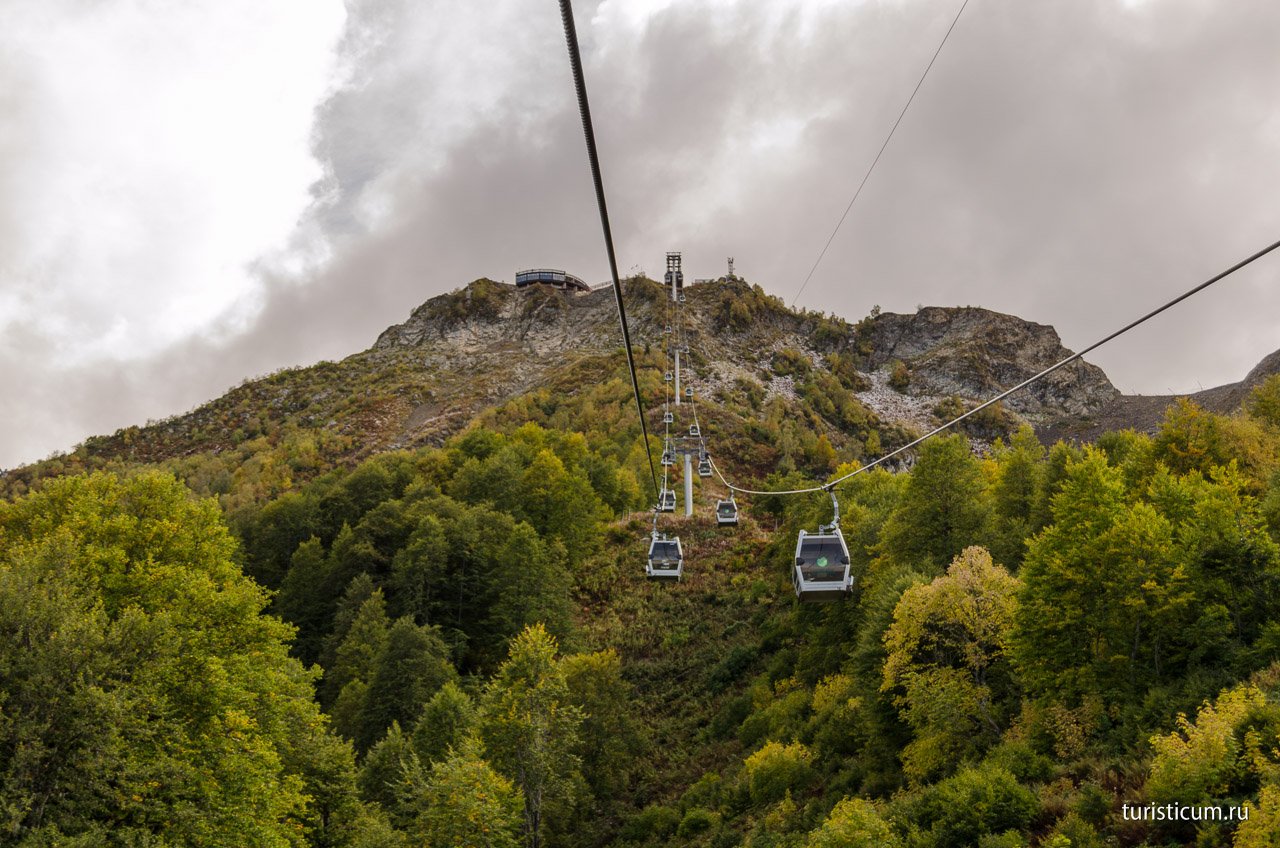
(303, 635)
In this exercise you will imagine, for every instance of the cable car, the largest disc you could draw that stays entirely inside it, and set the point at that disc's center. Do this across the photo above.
(667, 500)
(727, 513)
(688, 393)
(821, 570)
(666, 558)
(668, 457)
(666, 331)
(704, 467)
(682, 297)
(668, 418)
(694, 430)
(667, 378)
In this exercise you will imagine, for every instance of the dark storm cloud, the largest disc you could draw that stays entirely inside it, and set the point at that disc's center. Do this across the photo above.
(1071, 162)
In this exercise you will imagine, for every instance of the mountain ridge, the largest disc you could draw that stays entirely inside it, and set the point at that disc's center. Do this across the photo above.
(489, 343)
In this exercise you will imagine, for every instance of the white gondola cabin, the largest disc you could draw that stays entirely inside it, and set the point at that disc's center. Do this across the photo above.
(704, 467)
(821, 571)
(666, 558)
(727, 513)
(668, 418)
(667, 377)
(667, 500)
(694, 430)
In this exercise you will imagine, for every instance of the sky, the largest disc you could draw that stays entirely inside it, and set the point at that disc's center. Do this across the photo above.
(196, 193)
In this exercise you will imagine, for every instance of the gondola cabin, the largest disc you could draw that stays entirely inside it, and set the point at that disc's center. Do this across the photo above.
(667, 377)
(704, 468)
(688, 392)
(694, 430)
(666, 558)
(821, 571)
(668, 458)
(727, 513)
(668, 418)
(667, 500)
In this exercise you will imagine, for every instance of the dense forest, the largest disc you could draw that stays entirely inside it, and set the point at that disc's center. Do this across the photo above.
(455, 645)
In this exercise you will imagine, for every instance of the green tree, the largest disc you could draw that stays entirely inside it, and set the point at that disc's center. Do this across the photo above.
(943, 509)
(384, 772)
(609, 737)
(300, 604)
(147, 698)
(974, 803)
(366, 638)
(1103, 595)
(275, 533)
(411, 667)
(531, 730)
(1017, 479)
(447, 719)
(469, 805)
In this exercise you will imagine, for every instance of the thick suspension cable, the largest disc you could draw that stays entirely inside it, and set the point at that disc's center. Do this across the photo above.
(880, 153)
(584, 109)
(1004, 394)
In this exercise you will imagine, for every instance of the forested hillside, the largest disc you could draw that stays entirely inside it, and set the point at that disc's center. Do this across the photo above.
(302, 637)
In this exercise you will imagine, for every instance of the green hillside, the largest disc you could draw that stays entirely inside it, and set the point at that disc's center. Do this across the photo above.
(400, 601)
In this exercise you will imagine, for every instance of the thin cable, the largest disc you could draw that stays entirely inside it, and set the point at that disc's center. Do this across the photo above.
(875, 161)
(1072, 358)
(584, 109)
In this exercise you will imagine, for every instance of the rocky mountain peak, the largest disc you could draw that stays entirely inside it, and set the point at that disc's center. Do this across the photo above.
(975, 353)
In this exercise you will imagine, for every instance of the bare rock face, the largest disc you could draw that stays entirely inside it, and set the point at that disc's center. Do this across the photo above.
(976, 353)
(496, 318)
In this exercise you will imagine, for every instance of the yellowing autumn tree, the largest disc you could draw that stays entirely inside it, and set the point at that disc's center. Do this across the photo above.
(947, 662)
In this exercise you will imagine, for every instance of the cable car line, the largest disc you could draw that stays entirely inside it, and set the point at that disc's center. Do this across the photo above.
(826, 487)
(584, 109)
(875, 161)
(813, 563)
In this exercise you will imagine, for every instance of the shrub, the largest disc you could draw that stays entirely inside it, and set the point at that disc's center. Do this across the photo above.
(854, 823)
(775, 769)
(696, 821)
(789, 361)
(653, 821)
(976, 802)
(899, 376)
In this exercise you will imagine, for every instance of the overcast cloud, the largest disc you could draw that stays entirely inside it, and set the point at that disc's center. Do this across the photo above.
(194, 193)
